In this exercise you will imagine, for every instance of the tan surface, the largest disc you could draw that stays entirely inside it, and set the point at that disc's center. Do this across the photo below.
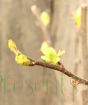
(34, 85)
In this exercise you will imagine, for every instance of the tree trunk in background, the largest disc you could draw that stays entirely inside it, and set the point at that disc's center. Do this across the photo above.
(84, 45)
(23, 85)
(36, 85)
(67, 38)
(66, 35)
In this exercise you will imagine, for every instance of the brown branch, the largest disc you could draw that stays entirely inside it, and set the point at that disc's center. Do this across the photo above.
(59, 68)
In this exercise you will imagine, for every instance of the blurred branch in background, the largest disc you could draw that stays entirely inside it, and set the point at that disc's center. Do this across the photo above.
(83, 32)
(54, 23)
(84, 47)
(46, 36)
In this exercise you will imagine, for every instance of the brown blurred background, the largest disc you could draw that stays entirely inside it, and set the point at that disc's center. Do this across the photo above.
(37, 85)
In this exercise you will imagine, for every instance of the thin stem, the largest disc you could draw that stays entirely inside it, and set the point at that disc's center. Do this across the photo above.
(59, 68)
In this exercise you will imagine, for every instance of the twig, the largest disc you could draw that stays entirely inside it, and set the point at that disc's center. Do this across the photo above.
(36, 12)
(59, 68)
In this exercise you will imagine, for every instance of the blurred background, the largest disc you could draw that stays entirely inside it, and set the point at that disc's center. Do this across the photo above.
(37, 85)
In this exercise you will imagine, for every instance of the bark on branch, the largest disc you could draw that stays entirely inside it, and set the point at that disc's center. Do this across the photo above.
(59, 68)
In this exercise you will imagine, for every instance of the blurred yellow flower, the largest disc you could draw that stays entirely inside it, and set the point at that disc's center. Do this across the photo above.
(77, 17)
(12, 46)
(19, 57)
(45, 18)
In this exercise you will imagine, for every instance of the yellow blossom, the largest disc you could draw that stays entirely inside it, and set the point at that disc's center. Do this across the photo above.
(12, 46)
(19, 57)
(45, 18)
(77, 17)
(22, 59)
(49, 54)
